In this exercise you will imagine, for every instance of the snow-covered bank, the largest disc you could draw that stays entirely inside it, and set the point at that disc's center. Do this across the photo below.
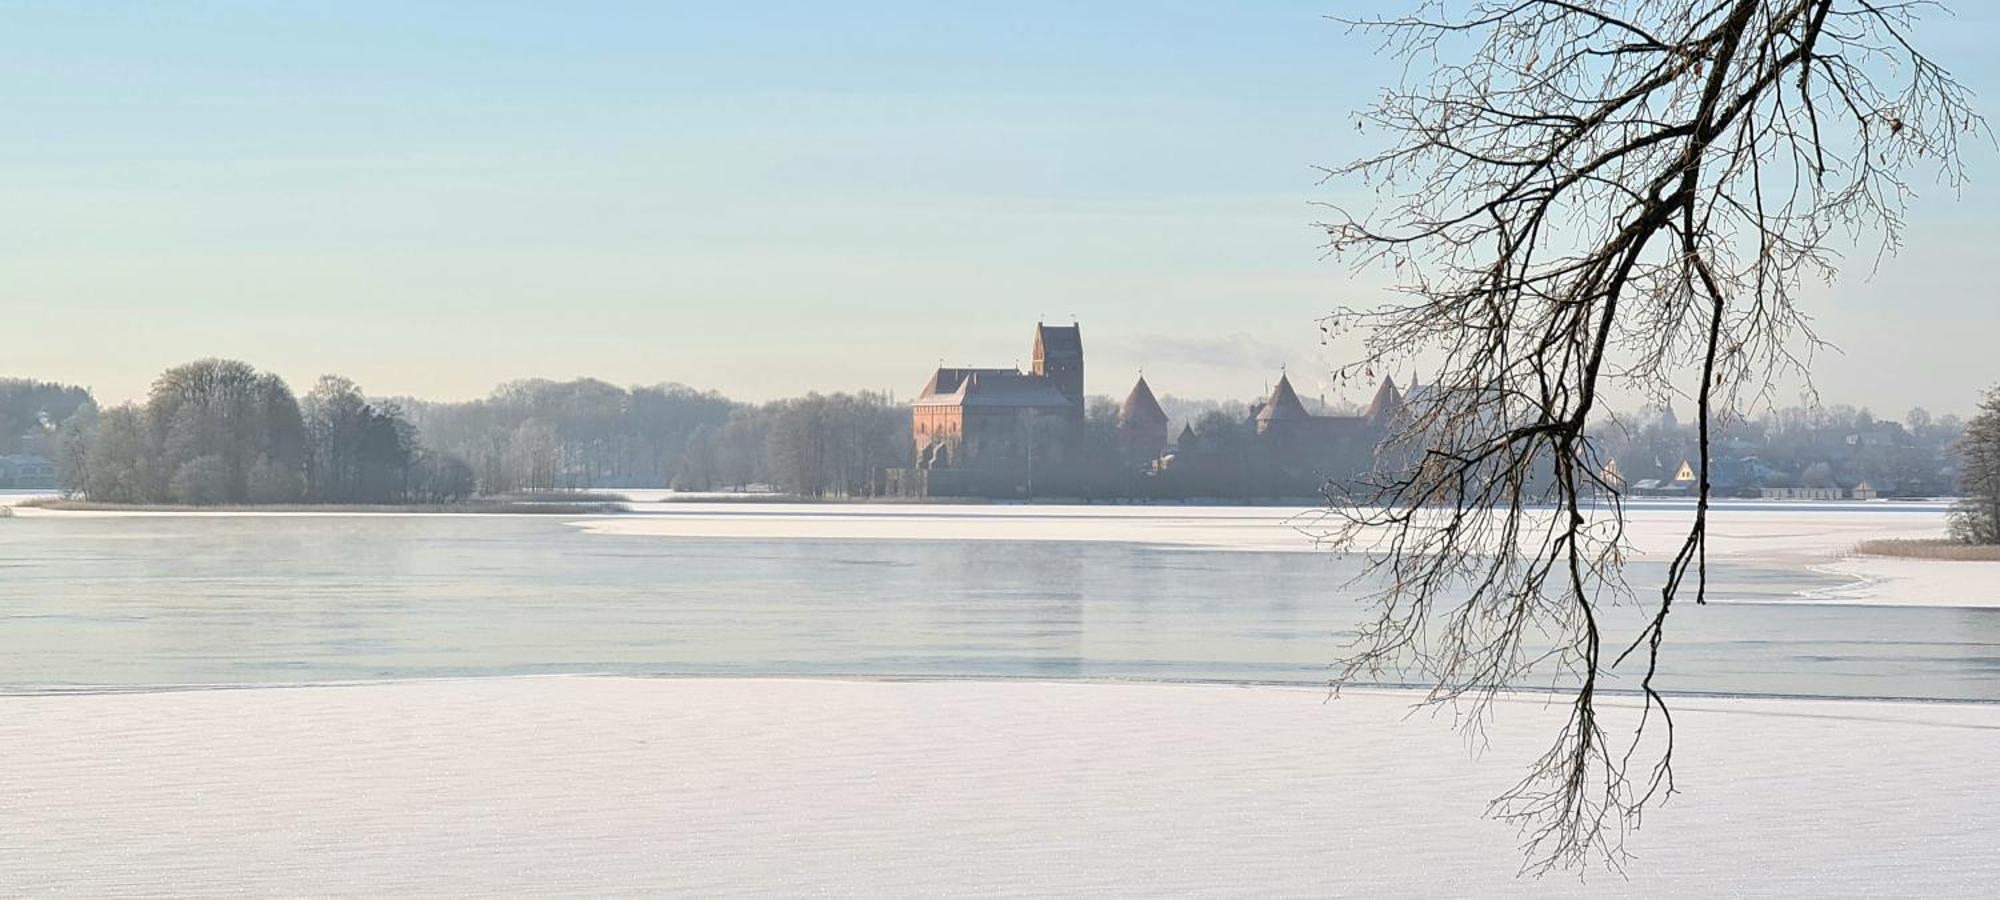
(600, 786)
(1205, 527)
(1798, 531)
(1805, 536)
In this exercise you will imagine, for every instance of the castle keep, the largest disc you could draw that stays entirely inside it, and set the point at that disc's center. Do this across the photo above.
(994, 432)
(996, 419)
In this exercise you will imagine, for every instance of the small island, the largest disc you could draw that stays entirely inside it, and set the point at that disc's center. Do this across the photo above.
(218, 435)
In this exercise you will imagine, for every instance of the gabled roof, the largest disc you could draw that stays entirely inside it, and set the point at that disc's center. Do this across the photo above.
(1058, 340)
(991, 388)
(1387, 401)
(1141, 406)
(947, 381)
(1187, 435)
(1284, 405)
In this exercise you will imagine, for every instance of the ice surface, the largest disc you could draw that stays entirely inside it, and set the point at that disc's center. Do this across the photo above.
(1810, 536)
(707, 787)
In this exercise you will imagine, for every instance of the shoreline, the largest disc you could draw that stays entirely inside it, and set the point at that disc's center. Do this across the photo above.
(1411, 692)
(467, 508)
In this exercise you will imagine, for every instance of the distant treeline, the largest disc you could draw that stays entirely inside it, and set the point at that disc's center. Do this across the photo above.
(219, 431)
(550, 435)
(1835, 446)
(32, 411)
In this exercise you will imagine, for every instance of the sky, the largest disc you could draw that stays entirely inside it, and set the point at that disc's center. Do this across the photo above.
(759, 198)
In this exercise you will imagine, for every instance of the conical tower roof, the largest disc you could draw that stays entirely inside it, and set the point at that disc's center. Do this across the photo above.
(1141, 407)
(1284, 405)
(1387, 400)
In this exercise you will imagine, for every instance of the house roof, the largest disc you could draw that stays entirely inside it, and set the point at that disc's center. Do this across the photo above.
(991, 388)
(1284, 405)
(1141, 405)
(1187, 435)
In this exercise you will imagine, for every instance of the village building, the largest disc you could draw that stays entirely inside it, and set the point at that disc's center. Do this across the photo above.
(1614, 476)
(26, 472)
(1795, 492)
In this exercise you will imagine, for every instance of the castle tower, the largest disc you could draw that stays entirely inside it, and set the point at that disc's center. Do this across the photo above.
(1283, 411)
(1388, 401)
(1059, 358)
(1142, 424)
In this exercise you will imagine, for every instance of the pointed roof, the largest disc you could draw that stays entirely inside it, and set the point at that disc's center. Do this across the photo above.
(1284, 405)
(1187, 435)
(1141, 406)
(1387, 400)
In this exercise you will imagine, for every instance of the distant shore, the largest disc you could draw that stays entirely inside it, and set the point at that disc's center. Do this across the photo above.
(755, 497)
(468, 507)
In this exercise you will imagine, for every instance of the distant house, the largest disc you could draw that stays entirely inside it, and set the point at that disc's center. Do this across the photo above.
(1682, 484)
(1865, 491)
(21, 472)
(1807, 493)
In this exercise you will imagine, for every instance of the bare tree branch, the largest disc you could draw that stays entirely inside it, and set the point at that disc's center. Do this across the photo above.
(1583, 194)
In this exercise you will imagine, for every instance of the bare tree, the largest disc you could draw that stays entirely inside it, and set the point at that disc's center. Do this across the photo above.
(1583, 194)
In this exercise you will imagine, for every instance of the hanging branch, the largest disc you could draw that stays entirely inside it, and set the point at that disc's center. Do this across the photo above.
(1583, 194)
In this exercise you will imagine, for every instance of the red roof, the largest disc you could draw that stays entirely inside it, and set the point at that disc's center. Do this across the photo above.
(1284, 404)
(1141, 406)
(1387, 400)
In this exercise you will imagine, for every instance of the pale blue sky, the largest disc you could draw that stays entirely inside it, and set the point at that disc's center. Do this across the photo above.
(760, 198)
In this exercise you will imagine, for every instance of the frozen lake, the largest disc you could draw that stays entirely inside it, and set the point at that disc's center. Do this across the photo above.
(1047, 592)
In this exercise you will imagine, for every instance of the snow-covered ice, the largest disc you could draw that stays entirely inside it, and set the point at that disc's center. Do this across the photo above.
(1890, 581)
(607, 786)
(1798, 531)
(1807, 536)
